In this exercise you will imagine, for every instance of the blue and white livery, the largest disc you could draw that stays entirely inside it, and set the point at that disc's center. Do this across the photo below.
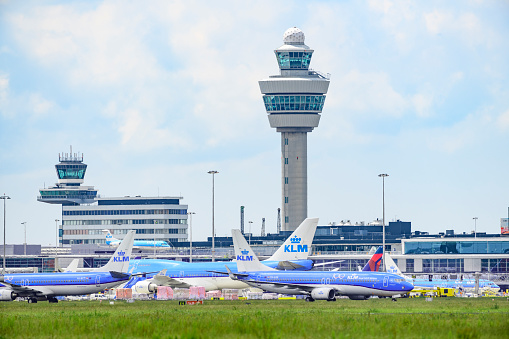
(182, 274)
(137, 243)
(316, 285)
(47, 286)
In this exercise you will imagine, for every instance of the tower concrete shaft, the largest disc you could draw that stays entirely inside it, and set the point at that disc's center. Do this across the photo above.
(294, 100)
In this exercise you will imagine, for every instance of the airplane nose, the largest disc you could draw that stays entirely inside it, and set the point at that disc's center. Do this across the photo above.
(408, 286)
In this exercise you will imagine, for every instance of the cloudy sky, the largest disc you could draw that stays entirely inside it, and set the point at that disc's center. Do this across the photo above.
(157, 93)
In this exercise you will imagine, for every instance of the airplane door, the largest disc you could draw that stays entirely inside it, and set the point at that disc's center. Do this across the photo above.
(323, 281)
(97, 280)
(327, 281)
(24, 282)
(181, 274)
(386, 281)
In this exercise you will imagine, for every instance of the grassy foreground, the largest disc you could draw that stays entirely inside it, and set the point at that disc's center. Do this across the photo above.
(380, 318)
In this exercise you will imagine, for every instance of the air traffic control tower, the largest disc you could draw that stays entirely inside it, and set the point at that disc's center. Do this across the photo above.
(294, 100)
(68, 191)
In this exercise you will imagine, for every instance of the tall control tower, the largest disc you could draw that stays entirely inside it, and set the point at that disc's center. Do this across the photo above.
(294, 100)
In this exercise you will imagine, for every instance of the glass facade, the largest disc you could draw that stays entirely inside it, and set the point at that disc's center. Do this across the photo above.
(410, 266)
(293, 60)
(61, 194)
(125, 212)
(138, 231)
(43, 264)
(294, 102)
(76, 171)
(442, 265)
(125, 222)
(495, 265)
(457, 247)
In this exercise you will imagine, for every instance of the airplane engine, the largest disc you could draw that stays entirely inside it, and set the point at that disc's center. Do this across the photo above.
(358, 297)
(323, 293)
(7, 295)
(145, 287)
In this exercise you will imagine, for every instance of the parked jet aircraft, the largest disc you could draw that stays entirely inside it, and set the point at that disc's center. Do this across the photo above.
(467, 285)
(317, 285)
(146, 244)
(292, 255)
(46, 286)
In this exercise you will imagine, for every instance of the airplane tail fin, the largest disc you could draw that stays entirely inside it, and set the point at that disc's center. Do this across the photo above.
(298, 245)
(109, 237)
(374, 263)
(119, 262)
(73, 266)
(246, 258)
(391, 266)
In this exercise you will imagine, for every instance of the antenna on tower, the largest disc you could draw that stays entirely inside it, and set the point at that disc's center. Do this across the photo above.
(278, 220)
(263, 227)
(242, 219)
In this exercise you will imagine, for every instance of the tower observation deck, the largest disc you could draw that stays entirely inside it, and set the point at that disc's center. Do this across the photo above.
(294, 100)
(68, 191)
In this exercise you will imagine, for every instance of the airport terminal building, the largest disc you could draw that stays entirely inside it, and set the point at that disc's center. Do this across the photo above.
(85, 213)
(153, 218)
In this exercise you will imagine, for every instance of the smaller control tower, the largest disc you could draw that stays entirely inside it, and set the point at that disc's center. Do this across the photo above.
(294, 100)
(68, 191)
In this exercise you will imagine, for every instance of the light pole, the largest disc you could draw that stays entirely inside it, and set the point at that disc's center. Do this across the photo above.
(4, 197)
(190, 214)
(475, 226)
(213, 230)
(383, 175)
(24, 223)
(250, 222)
(56, 245)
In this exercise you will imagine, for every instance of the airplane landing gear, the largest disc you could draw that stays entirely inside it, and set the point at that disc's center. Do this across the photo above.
(53, 300)
(309, 299)
(32, 300)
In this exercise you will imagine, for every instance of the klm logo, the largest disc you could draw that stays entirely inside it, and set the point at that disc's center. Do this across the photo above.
(296, 245)
(121, 257)
(244, 256)
(392, 269)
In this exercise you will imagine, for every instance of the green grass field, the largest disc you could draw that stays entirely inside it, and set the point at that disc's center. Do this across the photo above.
(380, 318)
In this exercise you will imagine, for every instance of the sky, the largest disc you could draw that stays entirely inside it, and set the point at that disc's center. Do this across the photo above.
(156, 94)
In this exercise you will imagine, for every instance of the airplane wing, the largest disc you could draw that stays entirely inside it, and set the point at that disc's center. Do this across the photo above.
(328, 263)
(290, 287)
(162, 280)
(288, 265)
(25, 291)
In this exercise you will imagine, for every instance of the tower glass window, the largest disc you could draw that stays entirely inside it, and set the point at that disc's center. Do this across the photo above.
(293, 60)
(75, 171)
(294, 103)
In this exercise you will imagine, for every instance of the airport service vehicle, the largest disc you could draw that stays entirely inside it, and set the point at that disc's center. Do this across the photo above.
(467, 285)
(137, 243)
(47, 286)
(316, 285)
(292, 255)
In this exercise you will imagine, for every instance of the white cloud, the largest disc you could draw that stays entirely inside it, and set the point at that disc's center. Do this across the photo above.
(40, 106)
(503, 120)
(465, 26)
(369, 92)
(4, 88)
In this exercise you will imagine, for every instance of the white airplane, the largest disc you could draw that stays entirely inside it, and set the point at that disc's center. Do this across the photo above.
(47, 286)
(146, 244)
(292, 255)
